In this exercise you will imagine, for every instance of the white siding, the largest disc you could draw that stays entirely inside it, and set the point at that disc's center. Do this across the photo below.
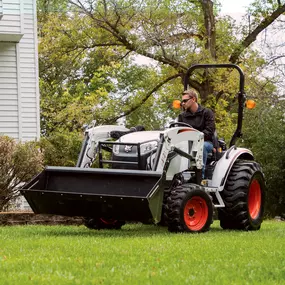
(11, 20)
(29, 74)
(1, 9)
(19, 88)
(8, 90)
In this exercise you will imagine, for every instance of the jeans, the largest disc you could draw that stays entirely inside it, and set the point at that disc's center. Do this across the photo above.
(208, 147)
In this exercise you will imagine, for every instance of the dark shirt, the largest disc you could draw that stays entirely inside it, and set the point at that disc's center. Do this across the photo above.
(202, 120)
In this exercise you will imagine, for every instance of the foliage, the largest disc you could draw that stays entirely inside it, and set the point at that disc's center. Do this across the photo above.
(91, 71)
(19, 162)
(61, 149)
(141, 254)
(50, 6)
(264, 134)
(261, 9)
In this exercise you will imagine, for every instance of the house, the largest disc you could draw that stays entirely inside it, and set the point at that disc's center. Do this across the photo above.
(19, 82)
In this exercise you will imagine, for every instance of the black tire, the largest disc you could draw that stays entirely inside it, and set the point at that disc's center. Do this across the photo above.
(100, 223)
(178, 180)
(244, 197)
(189, 209)
(164, 218)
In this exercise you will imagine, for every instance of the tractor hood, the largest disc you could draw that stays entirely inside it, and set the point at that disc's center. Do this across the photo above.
(140, 137)
(136, 144)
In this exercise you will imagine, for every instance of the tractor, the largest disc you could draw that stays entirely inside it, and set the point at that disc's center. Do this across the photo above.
(155, 177)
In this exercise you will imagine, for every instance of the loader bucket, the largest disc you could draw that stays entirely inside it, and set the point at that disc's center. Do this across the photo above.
(128, 195)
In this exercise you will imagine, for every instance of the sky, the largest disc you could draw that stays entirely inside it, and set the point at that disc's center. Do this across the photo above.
(230, 6)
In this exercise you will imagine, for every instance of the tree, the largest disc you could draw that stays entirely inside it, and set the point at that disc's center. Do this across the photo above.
(100, 34)
(266, 139)
(151, 27)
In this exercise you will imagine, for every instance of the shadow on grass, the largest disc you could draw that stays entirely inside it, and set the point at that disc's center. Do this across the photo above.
(128, 230)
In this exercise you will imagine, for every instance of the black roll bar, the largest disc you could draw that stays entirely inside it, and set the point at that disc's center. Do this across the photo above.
(241, 94)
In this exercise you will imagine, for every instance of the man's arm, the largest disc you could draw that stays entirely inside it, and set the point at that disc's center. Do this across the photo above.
(209, 125)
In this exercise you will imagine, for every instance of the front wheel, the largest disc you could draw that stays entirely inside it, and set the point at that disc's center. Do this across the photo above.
(101, 223)
(244, 197)
(189, 209)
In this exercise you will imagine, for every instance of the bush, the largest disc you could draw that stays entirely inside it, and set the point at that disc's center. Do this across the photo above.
(61, 148)
(19, 162)
(264, 134)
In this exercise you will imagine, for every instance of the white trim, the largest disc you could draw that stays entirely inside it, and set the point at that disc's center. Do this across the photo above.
(1, 9)
(19, 91)
(22, 19)
(12, 38)
(37, 68)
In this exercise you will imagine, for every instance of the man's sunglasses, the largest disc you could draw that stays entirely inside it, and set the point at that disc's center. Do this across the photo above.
(186, 100)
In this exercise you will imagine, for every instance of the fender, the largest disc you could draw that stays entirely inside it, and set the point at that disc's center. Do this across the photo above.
(224, 165)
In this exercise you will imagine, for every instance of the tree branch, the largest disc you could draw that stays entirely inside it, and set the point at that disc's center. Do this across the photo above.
(122, 38)
(180, 36)
(275, 58)
(253, 35)
(148, 94)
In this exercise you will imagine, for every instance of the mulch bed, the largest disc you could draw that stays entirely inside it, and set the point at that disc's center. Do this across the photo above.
(29, 218)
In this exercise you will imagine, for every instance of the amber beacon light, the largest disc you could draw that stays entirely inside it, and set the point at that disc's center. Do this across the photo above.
(250, 104)
(176, 104)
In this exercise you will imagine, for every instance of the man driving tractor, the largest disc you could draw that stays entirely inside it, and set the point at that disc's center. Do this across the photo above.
(200, 118)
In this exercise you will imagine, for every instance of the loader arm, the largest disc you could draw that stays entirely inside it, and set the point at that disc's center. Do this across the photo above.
(92, 137)
(187, 143)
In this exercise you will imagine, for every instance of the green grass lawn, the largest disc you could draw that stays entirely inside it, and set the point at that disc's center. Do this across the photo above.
(141, 254)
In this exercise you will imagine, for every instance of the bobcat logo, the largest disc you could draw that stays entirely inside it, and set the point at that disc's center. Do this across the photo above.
(128, 148)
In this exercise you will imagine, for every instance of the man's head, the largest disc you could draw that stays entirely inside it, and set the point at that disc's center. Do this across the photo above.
(189, 100)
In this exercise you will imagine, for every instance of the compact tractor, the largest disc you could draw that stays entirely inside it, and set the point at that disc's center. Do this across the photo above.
(155, 176)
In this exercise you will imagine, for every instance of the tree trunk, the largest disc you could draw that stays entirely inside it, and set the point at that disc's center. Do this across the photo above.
(210, 28)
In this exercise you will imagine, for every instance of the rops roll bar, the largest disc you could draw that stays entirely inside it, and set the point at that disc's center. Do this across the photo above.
(241, 94)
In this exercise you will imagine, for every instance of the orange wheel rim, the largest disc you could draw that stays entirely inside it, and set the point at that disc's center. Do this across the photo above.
(254, 199)
(108, 222)
(196, 213)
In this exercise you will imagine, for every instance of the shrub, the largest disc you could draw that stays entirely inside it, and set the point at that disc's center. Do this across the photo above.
(61, 148)
(19, 162)
(264, 135)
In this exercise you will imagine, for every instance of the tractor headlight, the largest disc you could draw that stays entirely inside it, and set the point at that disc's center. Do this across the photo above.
(149, 146)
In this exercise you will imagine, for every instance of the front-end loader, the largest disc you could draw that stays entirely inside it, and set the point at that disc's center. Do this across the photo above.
(155, 176)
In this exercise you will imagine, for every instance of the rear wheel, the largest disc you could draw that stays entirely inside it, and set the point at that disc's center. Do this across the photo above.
(189, 209)
(244, 197)
(101, 223)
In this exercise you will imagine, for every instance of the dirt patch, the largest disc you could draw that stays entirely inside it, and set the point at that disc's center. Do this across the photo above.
(29, 218)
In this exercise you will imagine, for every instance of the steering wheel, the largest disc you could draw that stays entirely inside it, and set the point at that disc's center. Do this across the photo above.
(179, 124)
